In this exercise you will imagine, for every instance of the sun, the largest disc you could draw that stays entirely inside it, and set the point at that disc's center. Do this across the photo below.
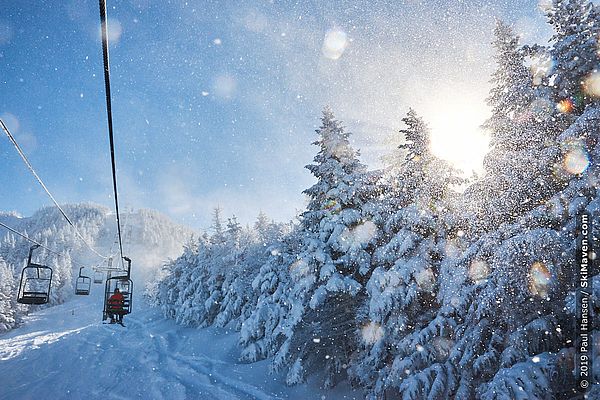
(457, 137)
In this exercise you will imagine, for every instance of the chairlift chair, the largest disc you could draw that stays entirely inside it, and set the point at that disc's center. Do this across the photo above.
(36, 280)
(98, 277)
(83, 284)
(125, 286)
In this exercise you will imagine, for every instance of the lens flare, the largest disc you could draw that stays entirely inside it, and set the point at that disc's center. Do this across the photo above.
(539, 279)
(576, 160)
(358, 236)
(299, 268)
(224, 86)
(372, 333)
(591, 84)
(332, 206)
(334, 44)
(540, 67)
(425, 279)
(114, 30)
(545, 6)
(565, 106)
(479, 271)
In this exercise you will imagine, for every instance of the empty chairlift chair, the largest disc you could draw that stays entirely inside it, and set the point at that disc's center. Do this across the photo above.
(125, 285)
(98, 277)
(36, 279)
(83, 284)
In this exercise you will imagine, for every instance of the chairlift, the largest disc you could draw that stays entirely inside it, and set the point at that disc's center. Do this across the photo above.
(98, 277)
(83, 284)
(36, 279)
(125, 286)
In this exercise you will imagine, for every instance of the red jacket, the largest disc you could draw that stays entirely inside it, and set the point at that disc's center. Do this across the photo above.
(115, 302)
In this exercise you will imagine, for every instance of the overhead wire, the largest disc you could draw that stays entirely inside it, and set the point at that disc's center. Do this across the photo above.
(39, 244)
(39, 180)
(104, 28)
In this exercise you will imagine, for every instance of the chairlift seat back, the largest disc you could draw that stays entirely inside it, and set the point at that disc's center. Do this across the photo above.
(34, 287)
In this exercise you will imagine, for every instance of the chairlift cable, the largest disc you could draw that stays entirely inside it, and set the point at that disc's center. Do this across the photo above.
(37, 177)
(104, 28)
(39, 244)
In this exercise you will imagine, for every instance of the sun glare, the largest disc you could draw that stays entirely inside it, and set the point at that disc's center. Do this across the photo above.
(456, 135)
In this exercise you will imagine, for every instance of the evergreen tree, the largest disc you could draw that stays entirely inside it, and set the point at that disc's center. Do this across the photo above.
(331, 264)
(574, 51)
(400, 313)
(8, 295)
(218, 236)
(520, 164)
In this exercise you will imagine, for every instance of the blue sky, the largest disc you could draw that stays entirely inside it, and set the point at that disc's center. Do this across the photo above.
(215, 103)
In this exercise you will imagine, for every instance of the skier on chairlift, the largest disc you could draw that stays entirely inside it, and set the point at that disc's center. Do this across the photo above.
(115, 307)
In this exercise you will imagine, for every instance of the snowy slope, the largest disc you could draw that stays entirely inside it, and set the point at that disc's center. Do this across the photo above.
(66, 352)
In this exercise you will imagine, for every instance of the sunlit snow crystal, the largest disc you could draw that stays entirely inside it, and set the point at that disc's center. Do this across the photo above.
(372, 333)
(334, 44)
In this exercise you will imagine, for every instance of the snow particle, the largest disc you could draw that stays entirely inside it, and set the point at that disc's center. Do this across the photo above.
(535, 359)
(217, 42)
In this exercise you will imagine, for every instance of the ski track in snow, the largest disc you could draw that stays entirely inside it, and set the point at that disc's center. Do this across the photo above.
(66, 352)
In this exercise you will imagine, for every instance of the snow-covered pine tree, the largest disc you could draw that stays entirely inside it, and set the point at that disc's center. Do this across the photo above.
(400, 315)
(574, 52)
(332, 264)
(520, 164)
(8, 296)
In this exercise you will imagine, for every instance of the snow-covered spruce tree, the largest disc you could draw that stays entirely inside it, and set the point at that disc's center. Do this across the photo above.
(510, 293)
(519, 168)
(260, 336)
(400, 315)
(245, 257)
(176, 284)
(332, 264)
(574, 52)
(8, 296)
(201, 277)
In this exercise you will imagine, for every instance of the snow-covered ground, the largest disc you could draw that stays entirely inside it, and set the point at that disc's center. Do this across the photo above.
(65, 352)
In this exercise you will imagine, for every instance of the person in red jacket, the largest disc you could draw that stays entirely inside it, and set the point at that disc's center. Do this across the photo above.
(115, 307)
